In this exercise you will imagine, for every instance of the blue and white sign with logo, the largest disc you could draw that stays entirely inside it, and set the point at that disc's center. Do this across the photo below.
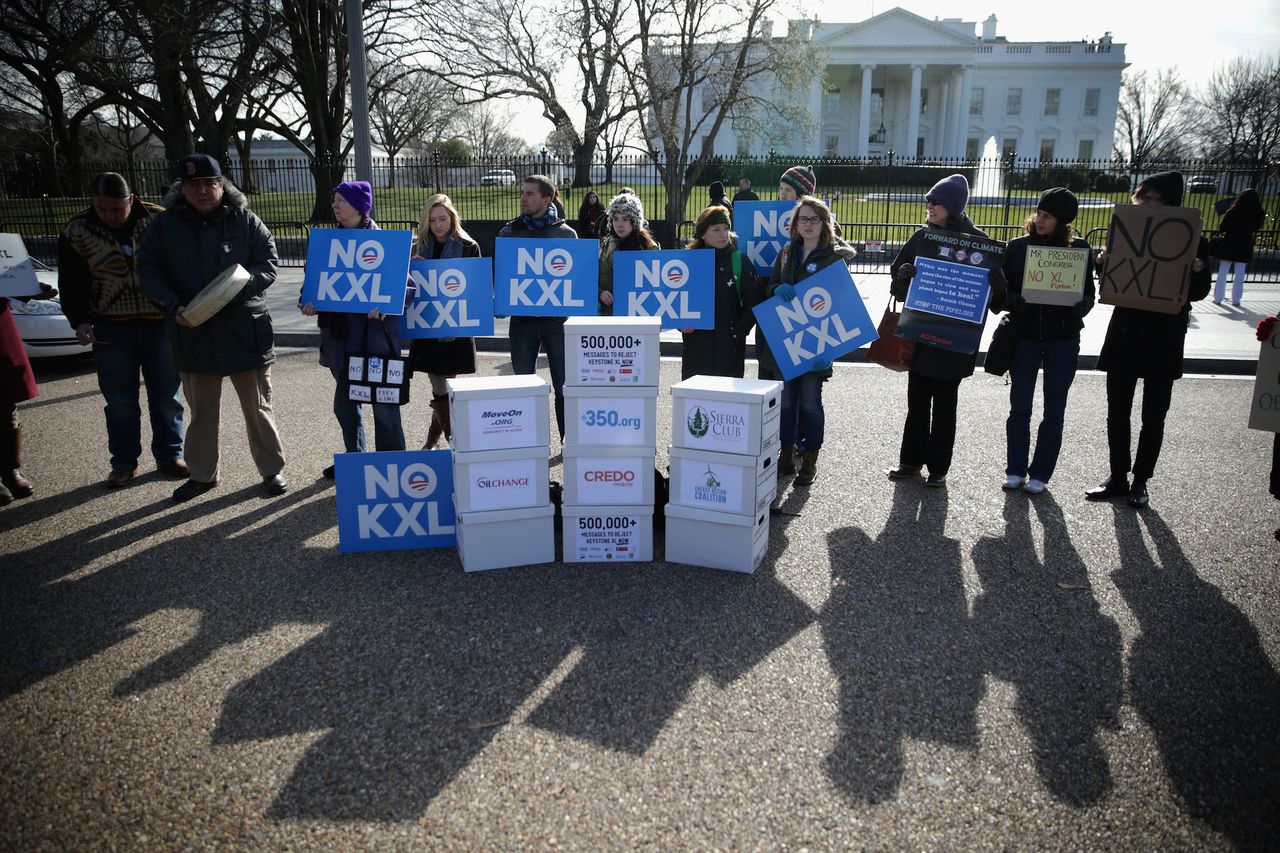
(826, 320)
(454, 299)
(955, 290)
(546, 278)
(354, 271)
(678, 286)
(395, 501)
(763, 228)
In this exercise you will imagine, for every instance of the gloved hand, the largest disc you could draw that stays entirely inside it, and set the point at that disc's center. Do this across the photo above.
(1265, 327)
(821, 364)
(501, 316)
(906, 271)
(785, 291)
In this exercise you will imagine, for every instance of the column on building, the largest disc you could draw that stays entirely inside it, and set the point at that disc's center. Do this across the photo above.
(913, 114)
(863, 131)
(940, 112)
(966, 92)
(815, 111)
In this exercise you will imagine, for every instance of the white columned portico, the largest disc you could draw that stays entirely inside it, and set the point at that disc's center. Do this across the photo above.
(815, 113)
(962, 124)
(939, 112)
(955, 115)
(913, 115)
(864, 112)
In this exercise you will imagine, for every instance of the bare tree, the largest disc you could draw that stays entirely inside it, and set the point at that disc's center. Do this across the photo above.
(408, 108)
(1240, 111)
(705, 62)
(487, 130)
(1151, 120)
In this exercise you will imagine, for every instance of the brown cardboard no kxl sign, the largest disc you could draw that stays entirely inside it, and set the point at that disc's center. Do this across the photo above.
(1265, 414)
(1150, 251)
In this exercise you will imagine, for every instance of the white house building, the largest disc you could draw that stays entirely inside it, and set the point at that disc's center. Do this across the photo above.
(941, 88)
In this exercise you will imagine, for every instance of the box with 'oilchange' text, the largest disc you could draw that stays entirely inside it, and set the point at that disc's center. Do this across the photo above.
(723, 482)
(716, 540)
(499, 412)
(608, 476)
(726, 415)
(612, 351)
(626, 416)
(486, 480)
(608, 534)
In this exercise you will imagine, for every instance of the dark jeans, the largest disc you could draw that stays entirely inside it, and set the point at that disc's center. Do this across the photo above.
(802, 409)
(528, 334)
(1156, 395)
(1059, 358)
(388, 431)
(125, 348)
(929, 435)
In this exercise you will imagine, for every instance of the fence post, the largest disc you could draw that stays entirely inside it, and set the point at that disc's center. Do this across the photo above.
(1008, 186)
(888, 193)
(435, 169)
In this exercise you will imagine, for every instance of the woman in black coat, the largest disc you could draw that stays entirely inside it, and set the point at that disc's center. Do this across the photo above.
(1234, 249)
(722, 350)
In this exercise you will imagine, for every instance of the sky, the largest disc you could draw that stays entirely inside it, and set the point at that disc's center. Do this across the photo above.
(1155, 37)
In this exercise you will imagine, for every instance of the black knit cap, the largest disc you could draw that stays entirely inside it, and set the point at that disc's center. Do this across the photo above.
(715, 216)
(1061, 203)
(1168, 184)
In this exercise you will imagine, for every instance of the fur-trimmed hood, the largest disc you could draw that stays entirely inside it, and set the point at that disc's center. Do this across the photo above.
(231, 196)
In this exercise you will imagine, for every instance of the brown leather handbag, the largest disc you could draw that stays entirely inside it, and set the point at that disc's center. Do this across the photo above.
(889, 350)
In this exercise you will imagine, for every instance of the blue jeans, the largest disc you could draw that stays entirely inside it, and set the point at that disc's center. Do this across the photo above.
(802, 409)
(527, 335)
(387, 430)
(125, 348)
(1059, 358)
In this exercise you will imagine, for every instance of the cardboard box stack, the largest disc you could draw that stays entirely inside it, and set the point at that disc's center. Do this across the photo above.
(611, 412)
(724, 447)
(500, 485)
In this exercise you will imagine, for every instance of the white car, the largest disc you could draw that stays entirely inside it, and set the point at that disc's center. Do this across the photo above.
(43, 327)
(498, 178)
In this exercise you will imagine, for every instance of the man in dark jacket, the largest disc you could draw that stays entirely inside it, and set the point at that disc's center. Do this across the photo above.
(207, 229)
(105, 304)
(527, 334)
(745, 193)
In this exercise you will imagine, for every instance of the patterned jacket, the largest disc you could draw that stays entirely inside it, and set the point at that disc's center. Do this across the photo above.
(97, 274)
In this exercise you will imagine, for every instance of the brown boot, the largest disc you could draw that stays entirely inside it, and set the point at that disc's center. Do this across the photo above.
(808, 468)
(6, 498)
(10, 461)
(442, 409)
(787, 460)
(435, 430)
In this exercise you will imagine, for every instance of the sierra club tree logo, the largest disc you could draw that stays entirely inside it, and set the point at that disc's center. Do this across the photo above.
(698, 422)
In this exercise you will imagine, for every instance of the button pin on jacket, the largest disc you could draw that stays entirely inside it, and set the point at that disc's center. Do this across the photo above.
(226, 248)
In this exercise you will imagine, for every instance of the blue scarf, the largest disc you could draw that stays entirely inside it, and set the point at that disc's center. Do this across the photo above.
(540, 222)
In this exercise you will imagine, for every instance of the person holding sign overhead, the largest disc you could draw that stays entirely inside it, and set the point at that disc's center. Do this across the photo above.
(442, 237)
(1145, 345)
(625, 230)
(722, 350)
(814, 246)
(343, 335)
(933, 383)
(1047, 332)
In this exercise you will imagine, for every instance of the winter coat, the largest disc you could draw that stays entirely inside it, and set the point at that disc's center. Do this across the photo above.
(589, 220)
(788, 269)
(446, 356)
(722, 350)
(98, 275)
(17, 382)
(745, 195)
(556, 229)
(182, 252)
(1045, 322)
(1148, 344)
(343, 334)
(1238, 228)
(610, 244)
(927, 359)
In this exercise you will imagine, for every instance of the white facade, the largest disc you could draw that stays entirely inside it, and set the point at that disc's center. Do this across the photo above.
(942, 89)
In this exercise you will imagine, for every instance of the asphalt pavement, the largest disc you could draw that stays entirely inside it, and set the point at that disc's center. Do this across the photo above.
(909, 669)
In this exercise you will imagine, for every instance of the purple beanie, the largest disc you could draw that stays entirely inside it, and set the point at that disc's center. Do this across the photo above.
(359, 194)
(952, 192)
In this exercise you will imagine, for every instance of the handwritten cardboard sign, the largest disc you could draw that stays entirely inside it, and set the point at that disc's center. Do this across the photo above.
(1265, 414)
(1054, 275)
(1149, 255)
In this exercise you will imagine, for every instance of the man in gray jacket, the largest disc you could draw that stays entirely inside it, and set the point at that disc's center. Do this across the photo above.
(206, 229)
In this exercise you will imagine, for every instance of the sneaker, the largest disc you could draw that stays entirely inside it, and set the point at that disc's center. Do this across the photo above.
(903, 472)
(1033, 487)
(936, 481)
(191, 489)
(1013, 481)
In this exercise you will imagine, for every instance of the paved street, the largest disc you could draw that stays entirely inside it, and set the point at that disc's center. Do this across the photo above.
(908, 669)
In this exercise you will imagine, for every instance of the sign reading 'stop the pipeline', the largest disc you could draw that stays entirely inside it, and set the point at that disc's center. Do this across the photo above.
(546, 278)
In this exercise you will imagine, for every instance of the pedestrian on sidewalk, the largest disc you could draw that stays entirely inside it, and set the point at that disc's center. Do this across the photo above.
(442, 237)
(343, 335)
(1144, 345)
(625, 230)
(1048, 336)
(722, 349)
(589, 215)
(1234, 249)
(17, 385)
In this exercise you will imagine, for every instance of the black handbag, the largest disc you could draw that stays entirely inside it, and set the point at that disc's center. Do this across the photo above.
(1004, 341)
(378, 378)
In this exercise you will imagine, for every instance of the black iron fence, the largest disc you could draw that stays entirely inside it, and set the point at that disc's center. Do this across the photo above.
(878, 201)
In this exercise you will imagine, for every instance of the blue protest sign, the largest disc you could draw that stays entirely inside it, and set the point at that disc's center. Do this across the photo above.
(763, 228)
(454, 299)
(395, 501)
(948, 289)
(826, 320)
(938, 331)
(678, 286)
(546, 278)
(354, 271)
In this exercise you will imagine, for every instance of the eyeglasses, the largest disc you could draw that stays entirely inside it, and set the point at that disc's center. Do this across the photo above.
(808, 220)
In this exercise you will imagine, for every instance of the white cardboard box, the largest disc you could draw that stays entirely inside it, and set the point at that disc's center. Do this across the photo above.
(608, 534)
(723, 482)
(611, 351)
(506, 538)
(608, 416)
(716, 540)
(726, 415)
(487, 480)
(608, 476)
(499, 412)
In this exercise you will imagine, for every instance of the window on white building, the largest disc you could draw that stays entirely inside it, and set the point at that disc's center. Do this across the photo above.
(924, 102)
(831, 102)
(971, 149)
(1091, 98)
(920, 146)
(1085, 151)
(1046, 149)
(977, 96)
(1051, 99)
(832, 146)
(1008, 148)
(877, 102)
(1013, 101)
